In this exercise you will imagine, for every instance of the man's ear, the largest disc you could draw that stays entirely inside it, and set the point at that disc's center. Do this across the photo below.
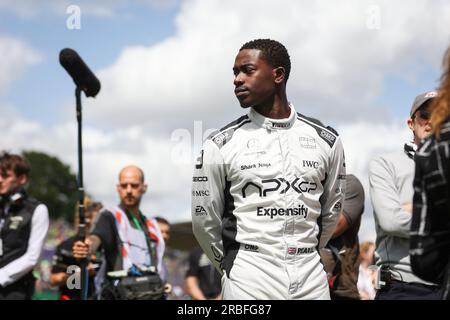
(279, 75)
(144, 188)
(23, 179)
(410, 123)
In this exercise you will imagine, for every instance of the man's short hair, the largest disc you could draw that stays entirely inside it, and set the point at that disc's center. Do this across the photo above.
(18, 165)
(273, 52)
(162, 220)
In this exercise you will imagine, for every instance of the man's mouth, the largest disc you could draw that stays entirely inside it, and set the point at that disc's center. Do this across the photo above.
(240, 91)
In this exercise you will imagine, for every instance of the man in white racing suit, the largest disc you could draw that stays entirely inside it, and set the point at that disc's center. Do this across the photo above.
(268, 187)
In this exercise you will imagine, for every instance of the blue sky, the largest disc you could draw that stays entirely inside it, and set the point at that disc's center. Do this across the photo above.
(166, 64)
(99, 42)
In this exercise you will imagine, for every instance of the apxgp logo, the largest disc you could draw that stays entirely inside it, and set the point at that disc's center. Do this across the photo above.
(272, 185)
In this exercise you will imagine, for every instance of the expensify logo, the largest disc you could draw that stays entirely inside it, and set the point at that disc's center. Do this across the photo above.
(301, 211)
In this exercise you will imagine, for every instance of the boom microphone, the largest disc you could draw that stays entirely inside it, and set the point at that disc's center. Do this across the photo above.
(83, 77)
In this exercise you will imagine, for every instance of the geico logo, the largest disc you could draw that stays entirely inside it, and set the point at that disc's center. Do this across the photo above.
(273, 212)
(200, 193)
(200, 179)
(299, 186)
(200, 211)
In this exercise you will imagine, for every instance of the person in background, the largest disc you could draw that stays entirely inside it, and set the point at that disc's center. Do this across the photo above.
(202, 280)
(130, 241)
(391, 189)
(24, 224)
(164, 227)
(366, 276)
(341, 254)
(430, 227)
(63, 257)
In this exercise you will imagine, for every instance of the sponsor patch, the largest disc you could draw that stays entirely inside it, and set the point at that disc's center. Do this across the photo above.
(251, 247)
(301, 211)
(200, 211)
(294, 250)
(255, 166)
(308, 143)
(310, 164)
(200, 193)
(327, 136)
(200, 179)
(15, 222)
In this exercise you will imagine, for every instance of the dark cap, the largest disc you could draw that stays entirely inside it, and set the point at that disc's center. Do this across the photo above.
(421, 99)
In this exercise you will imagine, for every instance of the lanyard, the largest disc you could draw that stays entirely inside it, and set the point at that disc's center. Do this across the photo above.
(148, 240)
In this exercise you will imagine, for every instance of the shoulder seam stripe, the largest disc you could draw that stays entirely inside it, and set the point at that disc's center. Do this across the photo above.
(316, 125)
(236, 126)
(233, 123)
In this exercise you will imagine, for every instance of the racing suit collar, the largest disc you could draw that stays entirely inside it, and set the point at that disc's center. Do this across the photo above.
(273, 124)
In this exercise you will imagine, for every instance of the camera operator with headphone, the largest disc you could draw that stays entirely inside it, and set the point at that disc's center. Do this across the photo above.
(24, 224)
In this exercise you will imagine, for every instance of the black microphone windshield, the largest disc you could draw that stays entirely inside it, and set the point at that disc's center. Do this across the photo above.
(83, 77)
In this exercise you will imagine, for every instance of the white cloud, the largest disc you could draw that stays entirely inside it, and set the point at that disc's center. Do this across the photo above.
(363, 141)
(339, 64)
(16, 56)
(29, 9)
(105, 153)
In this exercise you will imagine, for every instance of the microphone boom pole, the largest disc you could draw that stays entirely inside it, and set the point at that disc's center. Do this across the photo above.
(82, 218)
(86, 81)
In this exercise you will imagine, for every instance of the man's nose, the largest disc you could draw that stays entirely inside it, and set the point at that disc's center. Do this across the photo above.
(238, 80)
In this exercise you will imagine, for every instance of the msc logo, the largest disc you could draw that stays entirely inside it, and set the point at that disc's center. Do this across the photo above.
(310, 164)
(200, 211)
(273, 185)
(200, 193)
(200, 179)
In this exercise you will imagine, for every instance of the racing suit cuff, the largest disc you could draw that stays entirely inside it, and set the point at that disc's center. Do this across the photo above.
(4, 279)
